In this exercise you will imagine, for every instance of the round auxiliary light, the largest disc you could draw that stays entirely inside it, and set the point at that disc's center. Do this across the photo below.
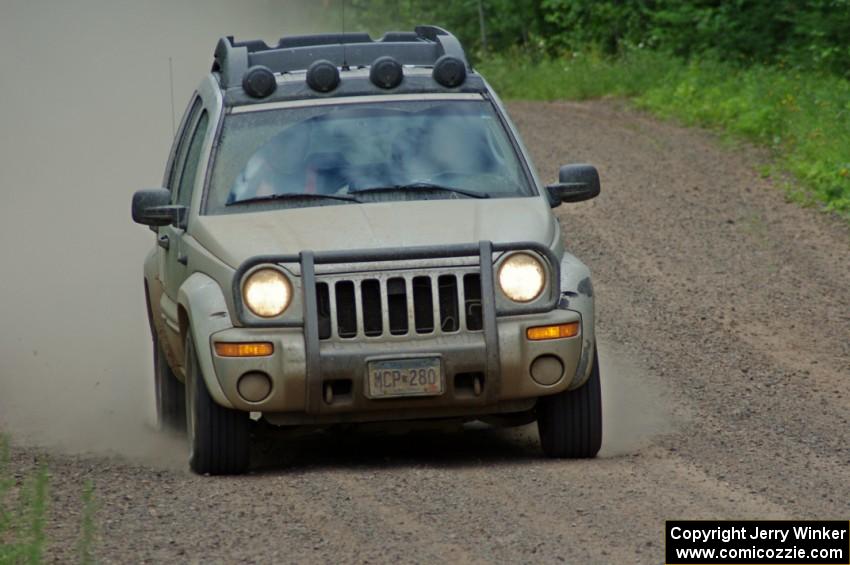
(386, 72)
(547, 370)
(267, 292)
(254, 386)
(259, 82)
(322, 76)
(449, 71)
(522, 277)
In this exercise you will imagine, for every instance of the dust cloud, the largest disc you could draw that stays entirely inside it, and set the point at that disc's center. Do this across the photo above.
(633, 407)
(86, 120)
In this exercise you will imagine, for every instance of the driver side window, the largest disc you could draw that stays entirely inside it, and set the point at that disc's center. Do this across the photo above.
(192, 161)
(178, 160)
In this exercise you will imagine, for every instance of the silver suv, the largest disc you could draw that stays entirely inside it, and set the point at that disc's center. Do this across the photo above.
(351, 230)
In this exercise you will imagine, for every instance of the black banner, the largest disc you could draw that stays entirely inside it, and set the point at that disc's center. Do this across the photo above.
(696, 542)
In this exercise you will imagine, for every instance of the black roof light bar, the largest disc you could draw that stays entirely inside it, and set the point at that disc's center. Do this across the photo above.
(423, 47)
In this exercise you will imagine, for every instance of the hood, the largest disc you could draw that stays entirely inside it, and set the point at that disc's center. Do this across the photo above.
(233, 238)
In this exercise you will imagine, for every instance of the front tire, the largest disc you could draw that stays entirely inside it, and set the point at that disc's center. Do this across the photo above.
(570, 422)
(219, 438)
(170, 393)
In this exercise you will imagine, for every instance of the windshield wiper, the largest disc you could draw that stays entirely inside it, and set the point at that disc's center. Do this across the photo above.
(293, 196)
(424, 186)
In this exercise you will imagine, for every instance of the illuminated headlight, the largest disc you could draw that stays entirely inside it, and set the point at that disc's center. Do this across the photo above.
(267, 293)
(522, 277)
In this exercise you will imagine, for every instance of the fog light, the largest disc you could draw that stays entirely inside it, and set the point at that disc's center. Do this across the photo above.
(386, 72)
(557, 331)
(449, 71)
(322, 76)
(251, 349)
(254, 386)
(547, 370)
(259, 82)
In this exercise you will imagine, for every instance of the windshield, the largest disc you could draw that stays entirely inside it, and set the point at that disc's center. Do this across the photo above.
(348, 154)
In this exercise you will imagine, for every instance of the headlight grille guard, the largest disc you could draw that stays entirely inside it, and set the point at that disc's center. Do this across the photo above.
(484, 250)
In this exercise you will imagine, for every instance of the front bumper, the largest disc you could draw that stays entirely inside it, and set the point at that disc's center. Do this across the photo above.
(487, 369)
(462, 356)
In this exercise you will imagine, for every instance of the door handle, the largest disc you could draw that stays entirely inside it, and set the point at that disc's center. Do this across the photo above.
(163, 242)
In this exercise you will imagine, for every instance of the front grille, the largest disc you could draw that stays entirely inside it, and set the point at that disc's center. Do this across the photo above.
(399, 304)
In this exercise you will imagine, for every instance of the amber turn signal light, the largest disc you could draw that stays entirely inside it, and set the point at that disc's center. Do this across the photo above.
(251, 349)
(558, 331)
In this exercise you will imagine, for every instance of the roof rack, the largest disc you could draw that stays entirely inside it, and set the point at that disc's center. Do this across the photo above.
(421, 47)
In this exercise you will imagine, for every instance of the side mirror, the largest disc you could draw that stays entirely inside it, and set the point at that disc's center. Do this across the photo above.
(576, 183)
(152, 207)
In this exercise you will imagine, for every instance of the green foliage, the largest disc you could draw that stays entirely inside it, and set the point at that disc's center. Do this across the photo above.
(803, 116)
(22, 524)
(576, 76)
(610, 25)
(805, 34)
(85, 544)
(23, 515)
(6, 484)
(507, 23)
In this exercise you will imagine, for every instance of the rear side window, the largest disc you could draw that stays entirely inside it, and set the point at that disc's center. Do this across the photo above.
(192, 161)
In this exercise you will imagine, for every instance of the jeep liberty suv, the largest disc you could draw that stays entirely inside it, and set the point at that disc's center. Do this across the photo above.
(351, 230)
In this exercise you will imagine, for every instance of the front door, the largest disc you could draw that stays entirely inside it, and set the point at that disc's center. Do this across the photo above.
(173, 263)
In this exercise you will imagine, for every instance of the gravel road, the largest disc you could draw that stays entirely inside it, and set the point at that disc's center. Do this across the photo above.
(723, 315)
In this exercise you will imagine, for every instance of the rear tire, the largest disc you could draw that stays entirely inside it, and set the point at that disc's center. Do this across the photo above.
(219, 438)
(170, 393)
(570, 422)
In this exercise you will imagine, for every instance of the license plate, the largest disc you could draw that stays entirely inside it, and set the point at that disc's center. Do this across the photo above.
(391, 378)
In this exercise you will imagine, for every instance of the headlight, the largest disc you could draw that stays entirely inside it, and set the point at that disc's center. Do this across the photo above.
(522, 277)
(267, 293)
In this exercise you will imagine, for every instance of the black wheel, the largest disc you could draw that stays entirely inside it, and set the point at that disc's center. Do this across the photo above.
(570, 422)
(170, 393)
(219, 438)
